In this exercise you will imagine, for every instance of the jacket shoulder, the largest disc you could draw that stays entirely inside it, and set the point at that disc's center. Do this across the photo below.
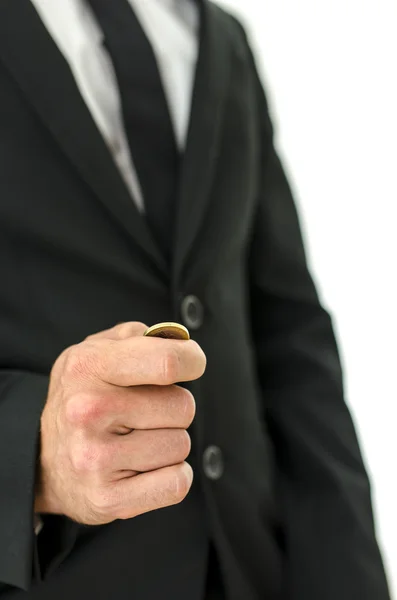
(233, 26)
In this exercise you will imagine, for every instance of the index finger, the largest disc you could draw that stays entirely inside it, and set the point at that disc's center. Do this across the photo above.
(143, 360)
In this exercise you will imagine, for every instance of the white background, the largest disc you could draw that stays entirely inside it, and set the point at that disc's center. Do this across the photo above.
(330, 69)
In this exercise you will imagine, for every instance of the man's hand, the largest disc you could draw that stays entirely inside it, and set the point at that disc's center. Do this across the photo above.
(113, 431)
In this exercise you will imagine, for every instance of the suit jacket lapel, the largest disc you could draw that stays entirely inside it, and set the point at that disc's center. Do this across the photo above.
(209, 93)
(42, 73)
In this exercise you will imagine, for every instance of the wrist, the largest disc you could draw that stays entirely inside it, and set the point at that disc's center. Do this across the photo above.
(46, 501)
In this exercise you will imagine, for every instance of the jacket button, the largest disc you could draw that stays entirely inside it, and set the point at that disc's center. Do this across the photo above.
(192, 312)
(213, 464)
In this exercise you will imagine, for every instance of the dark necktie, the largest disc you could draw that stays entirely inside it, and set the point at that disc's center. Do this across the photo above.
(145, 114)
(151, 140)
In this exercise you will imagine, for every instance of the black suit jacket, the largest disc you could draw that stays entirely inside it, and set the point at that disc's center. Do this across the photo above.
(76, 257)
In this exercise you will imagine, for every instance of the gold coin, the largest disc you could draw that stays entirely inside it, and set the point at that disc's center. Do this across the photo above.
(173, 331)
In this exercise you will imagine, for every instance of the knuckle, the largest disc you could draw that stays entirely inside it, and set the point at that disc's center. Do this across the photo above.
(171, 366)
(188, 406)
(179, 486)
(184, 443)
(87, 459)
(82, 410)
(59, 365)
(201, 356)
(82, 458)
(74, 362)
(172, 445)
(80, 361)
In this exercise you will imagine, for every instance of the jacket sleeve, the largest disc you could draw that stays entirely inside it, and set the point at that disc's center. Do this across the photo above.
(25, 559)
(22, 398)
(330, 543)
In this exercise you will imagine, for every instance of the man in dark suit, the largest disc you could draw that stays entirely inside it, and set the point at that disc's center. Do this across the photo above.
(139, 184)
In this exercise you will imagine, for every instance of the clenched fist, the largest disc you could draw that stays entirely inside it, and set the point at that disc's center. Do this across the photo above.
(113, 430)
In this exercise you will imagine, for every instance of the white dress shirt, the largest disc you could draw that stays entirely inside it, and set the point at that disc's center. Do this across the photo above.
(171, 27)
